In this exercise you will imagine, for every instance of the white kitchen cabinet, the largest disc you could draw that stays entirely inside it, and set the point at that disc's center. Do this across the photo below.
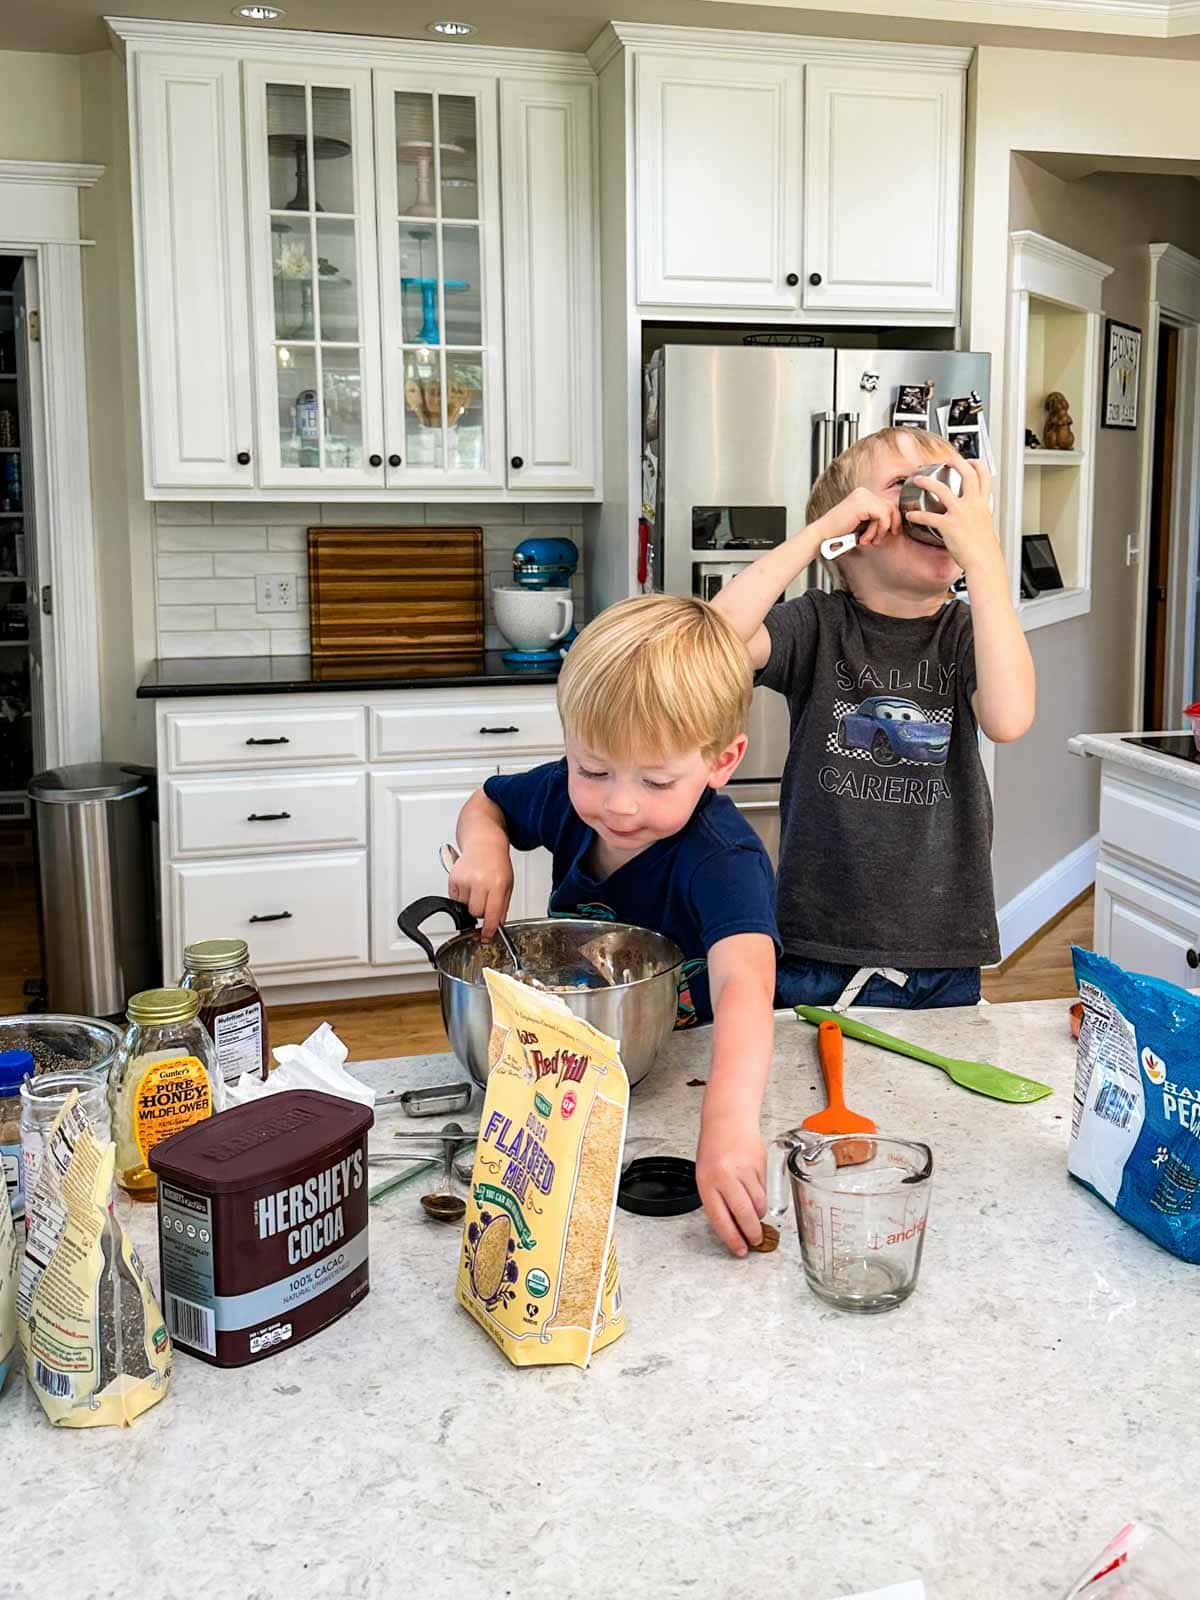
(882, 192)
(413, 813)
(1145, 927)
(550, 301)
(193, 312)
(437, 170)
(719, 179)
(295, 912)
(494, 727)
(311, 224)
(231, 815)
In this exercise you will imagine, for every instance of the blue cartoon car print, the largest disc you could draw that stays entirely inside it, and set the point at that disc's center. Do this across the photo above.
(891, 729)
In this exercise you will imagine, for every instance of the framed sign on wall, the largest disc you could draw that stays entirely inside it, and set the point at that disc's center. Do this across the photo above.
(1122, 372)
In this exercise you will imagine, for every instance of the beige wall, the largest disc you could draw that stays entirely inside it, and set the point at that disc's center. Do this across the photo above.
(1046, 800)
(124, 546)
(41, 117)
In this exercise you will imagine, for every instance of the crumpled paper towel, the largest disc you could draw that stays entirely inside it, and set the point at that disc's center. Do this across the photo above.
(318, 1063)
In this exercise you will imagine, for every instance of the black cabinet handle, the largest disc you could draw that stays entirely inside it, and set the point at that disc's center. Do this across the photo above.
(375, 461)
(792, 279)
(276, 916)
(500, 730)
(1193, 959)
(815, 279)
(394, 461)
(269, 816)
(518, 461)
(243, 458)
(283, 739)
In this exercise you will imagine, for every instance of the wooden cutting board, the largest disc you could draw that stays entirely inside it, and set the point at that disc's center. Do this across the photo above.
(395, 593)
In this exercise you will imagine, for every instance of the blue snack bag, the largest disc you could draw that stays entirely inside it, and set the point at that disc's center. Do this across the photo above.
(1135, 1119)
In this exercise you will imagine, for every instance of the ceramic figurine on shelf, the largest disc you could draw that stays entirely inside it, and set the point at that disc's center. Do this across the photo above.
(1032, 442)
(1058, 433)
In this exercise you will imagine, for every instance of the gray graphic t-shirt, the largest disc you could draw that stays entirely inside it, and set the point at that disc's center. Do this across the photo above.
(886, 831)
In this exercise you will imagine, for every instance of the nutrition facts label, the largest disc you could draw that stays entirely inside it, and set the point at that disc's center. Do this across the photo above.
(238, 1038)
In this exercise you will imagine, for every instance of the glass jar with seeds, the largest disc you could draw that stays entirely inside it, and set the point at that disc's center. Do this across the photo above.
(164, 1079)
(42, 1098)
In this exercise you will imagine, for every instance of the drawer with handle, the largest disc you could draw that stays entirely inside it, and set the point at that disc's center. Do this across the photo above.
(267, 737)
(284, 811)
(293, 911)
(1140, 820)
(453, 729)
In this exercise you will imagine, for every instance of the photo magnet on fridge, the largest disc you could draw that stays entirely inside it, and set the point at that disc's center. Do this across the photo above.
(913, 403)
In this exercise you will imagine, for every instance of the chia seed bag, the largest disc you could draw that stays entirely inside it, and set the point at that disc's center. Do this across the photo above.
(10, 1265)
(1135, 1120)
(96, 1347)
(538, 1269)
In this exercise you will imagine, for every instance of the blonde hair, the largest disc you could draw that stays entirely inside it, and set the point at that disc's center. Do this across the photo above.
(657, 675)
(845, 473)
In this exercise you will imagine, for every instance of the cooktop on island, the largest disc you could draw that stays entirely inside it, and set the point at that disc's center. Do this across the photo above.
(1181, 745)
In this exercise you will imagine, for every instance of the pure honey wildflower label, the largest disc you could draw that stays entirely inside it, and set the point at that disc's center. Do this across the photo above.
(538, 1270)
(170, 1096)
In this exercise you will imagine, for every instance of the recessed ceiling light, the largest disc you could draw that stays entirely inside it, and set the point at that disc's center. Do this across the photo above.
(259, 13)
(452, 30)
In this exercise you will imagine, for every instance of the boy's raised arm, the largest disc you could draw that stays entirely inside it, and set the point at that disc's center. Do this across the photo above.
(482, 877)
(746, 600)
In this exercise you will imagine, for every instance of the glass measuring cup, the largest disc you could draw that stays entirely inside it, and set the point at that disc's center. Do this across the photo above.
(861, 1205)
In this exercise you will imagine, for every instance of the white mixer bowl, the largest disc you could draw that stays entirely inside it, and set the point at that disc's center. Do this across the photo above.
(533, 619)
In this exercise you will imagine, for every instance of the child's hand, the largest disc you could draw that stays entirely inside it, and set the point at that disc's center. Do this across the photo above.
(966, 522)
(731, 1165)
(868, 514)
(483, 880)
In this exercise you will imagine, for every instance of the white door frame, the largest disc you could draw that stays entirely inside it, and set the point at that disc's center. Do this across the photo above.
(1174, 302)
(39, 217)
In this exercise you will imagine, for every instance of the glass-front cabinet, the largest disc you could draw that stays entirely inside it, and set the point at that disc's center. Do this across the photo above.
(439, 263)
(314, 276)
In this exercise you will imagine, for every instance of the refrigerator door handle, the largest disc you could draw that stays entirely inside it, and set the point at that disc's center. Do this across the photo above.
(823, 422)
(847, 429)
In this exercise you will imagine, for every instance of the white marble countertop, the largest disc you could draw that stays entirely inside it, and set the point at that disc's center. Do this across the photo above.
(1156, 763)
(741, 1440)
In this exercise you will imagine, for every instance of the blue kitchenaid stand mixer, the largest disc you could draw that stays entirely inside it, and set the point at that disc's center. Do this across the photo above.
(543, 564)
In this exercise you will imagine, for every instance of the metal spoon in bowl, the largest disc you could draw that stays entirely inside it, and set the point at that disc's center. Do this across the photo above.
(449, 856)
(443, 1205)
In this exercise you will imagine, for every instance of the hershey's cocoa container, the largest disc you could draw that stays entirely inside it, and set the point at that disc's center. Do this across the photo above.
(262, 1219)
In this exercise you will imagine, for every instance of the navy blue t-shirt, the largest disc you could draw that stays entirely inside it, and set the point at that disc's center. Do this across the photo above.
(705, 883)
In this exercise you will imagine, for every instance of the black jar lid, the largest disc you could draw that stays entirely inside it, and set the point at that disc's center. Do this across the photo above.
(659, 1186)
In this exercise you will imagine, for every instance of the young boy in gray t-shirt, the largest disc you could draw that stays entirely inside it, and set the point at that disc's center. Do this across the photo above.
(885, 885)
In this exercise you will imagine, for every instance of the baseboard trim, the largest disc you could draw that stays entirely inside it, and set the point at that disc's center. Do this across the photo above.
(1042, 900)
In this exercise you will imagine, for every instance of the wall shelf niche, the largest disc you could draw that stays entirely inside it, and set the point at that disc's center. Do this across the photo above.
(1054, 326)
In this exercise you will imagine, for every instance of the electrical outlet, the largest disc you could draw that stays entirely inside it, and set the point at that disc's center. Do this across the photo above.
(274, 592)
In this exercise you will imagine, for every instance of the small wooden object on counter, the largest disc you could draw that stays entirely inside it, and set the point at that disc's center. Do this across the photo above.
(395, 593)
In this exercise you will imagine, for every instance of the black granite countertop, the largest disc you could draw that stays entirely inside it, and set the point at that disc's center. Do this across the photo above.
(197, 676)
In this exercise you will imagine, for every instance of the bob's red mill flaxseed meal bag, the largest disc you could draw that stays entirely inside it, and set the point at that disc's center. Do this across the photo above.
(538, 1269)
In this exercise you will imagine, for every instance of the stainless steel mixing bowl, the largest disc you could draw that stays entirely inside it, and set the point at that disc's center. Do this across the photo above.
(638, 1010)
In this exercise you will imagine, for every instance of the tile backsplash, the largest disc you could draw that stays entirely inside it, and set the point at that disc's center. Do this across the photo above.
(207, 557)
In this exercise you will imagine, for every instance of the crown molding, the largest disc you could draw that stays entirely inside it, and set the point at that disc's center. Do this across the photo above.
(70, 174)
(732, 41)
(343, 49)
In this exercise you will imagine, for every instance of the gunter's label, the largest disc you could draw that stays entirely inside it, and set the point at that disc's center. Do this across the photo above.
(170, 1096)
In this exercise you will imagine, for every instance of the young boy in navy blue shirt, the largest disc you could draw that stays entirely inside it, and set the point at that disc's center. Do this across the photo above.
(654, 697)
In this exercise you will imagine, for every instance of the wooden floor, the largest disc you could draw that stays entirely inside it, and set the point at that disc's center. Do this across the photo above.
(412, 1025)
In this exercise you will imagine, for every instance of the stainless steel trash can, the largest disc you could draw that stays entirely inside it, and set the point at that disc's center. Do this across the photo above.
(93, 845)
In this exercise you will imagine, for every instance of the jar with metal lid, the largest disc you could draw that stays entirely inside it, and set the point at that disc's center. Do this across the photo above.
(231, 1004)
(15, 1067)
(164, 1079)
(41, 1101)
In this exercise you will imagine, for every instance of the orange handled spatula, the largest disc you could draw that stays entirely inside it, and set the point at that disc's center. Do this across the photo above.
(837, 1117)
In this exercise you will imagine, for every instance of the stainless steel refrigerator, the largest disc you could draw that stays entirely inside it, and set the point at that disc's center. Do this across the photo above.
(735, 436)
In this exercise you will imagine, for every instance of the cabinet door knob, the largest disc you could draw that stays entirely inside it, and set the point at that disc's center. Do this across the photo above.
(375, 461)
(274, 916)
(394, 461)
(792, 279)
(1193, 959)
(518, 461)
(815, 279)
(243, 458)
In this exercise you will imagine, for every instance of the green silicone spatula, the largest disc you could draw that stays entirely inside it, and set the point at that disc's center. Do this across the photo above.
(977, 1075)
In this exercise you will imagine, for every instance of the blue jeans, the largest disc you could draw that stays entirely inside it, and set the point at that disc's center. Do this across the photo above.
(820, 983)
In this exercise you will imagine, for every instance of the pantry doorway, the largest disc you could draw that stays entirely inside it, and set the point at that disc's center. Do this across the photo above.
(1167, 638)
